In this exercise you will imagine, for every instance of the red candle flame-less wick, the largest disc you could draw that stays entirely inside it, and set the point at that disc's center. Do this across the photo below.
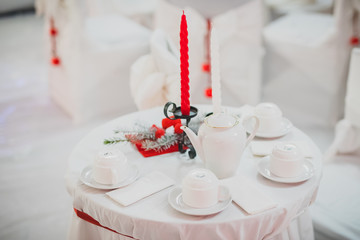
(184, 67)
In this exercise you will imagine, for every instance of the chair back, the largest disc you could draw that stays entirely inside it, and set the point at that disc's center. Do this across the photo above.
(352, 99)
(343, 12)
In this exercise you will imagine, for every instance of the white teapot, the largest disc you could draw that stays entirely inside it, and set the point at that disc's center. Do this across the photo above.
(220, 143)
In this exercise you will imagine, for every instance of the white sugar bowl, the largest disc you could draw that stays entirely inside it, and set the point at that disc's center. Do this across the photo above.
(110, 167)
(286, 160)
(200, 188)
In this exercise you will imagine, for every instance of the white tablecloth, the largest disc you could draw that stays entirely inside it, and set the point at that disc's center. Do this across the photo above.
(154, 218)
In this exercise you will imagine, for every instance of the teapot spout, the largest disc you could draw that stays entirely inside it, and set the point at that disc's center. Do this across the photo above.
(195, 141)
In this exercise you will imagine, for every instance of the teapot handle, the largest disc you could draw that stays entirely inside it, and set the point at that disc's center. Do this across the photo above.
(252, 135)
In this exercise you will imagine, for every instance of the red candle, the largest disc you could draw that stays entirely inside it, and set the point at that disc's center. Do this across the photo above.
(184, 67)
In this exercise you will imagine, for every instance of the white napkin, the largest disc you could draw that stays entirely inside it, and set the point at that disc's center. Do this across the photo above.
(145, 186)
(263, 148)
(245, 194)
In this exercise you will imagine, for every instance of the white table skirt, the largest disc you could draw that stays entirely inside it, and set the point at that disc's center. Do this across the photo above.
(153, 217)
(299, 228)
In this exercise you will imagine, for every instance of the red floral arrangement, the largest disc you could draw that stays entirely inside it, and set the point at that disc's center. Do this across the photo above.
(154, 140)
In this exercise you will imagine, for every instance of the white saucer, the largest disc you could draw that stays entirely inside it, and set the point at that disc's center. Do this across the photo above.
(286, 126)
(176, 201)
(263, 169)
(87, 178)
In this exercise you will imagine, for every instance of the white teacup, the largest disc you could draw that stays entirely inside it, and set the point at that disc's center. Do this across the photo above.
(286, 160)
(110, 167)
(201, 189)
(270, 117)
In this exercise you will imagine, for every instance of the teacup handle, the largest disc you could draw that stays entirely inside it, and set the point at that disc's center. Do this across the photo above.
(223, 193)
(252, 135)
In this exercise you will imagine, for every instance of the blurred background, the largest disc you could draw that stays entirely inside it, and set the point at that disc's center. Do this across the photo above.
(67, 66)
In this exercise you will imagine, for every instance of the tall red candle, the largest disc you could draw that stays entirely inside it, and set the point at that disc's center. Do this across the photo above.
(184, 67)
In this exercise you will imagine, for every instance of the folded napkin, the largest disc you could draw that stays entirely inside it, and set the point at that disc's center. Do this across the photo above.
(151, 153)
(145, 186)
(263, 148)
(245, 194)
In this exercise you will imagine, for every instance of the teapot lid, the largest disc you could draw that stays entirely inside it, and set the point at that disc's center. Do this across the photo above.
(221, 120)
(200, 178)
(110, 157)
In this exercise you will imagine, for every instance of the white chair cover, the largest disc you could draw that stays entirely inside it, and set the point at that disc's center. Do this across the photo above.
(352, 100)
(306, 64)
(96, 54)
(140, 11)
(280, 7)
(336, 210)
(240, 51)
(154, 77)
(347, 132)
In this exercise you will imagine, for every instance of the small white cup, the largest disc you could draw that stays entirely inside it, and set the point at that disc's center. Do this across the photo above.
(270, 117)
(110, 167)
(286, 160)
(201, 189)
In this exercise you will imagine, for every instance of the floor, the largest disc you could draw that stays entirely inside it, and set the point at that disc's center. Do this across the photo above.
(36, 137)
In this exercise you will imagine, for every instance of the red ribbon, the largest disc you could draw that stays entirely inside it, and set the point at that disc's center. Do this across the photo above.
(151, 153)
(55, 60)
(88, 218)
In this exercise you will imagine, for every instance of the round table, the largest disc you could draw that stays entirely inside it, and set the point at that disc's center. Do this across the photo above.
(154, 218)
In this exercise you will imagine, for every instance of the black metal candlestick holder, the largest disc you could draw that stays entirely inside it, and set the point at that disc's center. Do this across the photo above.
(176, 111)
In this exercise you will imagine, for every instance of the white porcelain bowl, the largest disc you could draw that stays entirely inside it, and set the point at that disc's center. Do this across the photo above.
(286, 160)
(270, 117)
(200, 188)
(110, 167)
